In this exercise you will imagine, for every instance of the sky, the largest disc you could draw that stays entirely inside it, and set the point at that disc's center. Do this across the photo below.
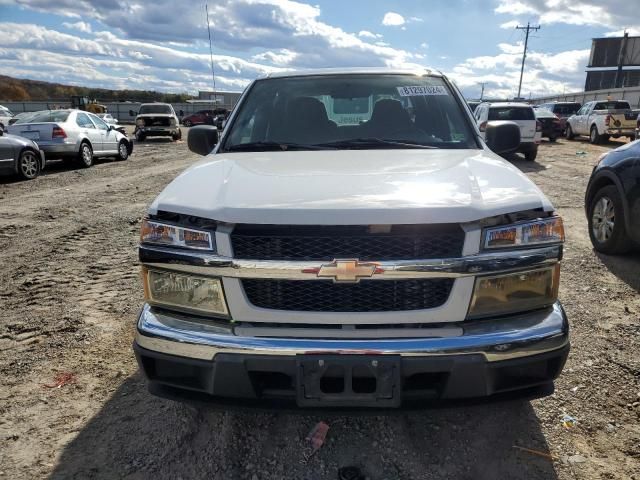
(164, 45)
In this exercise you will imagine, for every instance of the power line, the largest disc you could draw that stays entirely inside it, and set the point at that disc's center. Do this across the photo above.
(213, 74)
(528, 28)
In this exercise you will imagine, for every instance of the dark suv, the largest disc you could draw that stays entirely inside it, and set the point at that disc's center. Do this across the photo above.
(562, 110)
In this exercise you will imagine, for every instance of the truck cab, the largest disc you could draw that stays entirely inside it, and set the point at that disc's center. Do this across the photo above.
(378, 263)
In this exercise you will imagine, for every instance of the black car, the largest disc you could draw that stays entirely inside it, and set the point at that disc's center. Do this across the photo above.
(612, 201)
(550, 124)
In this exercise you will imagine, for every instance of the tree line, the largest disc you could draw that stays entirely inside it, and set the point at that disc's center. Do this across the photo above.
(24, 90)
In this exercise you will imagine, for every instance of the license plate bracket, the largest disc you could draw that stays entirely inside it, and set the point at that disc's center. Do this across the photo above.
(348, 381)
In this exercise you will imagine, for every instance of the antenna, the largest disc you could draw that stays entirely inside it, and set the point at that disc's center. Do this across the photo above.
(213, 74)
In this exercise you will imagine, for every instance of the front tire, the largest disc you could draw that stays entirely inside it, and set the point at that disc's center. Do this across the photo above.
(28, 165)
(606, 221)
(177, 136)
(85, 155)
(531, 155)
(569, 133)
(123, 150)
(140, 137)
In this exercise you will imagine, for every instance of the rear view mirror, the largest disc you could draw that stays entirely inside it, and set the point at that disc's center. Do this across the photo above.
(202, 139)
(502, 136)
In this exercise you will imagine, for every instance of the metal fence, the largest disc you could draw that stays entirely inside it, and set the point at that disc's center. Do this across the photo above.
(119, 110)
(630, 94)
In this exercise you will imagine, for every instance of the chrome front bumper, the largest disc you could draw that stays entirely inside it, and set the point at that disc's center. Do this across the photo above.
(505, 338)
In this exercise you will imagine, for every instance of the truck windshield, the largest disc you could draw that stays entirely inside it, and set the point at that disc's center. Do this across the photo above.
(359, 111)
(146, 109)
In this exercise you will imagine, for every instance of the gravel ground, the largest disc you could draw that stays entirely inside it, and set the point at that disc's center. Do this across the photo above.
(69, 297)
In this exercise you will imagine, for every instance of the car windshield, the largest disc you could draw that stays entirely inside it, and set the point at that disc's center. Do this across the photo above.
(46, 116)
(146, 109)
(544, 113)
(357, 111)
(511, 113)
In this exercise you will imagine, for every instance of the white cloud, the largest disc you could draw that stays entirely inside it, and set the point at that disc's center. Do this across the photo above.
(510, 24)
(424, 45)
(282, 57)
(79, 26)
(392, 19)
(368, 34)
(634, 32)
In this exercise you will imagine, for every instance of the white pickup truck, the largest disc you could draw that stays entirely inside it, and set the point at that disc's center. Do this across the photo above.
(386, 262)
(602, 119)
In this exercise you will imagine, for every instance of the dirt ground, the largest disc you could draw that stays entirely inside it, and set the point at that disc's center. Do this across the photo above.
(69, 297)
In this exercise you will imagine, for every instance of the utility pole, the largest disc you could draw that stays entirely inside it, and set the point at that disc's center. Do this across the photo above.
(528, 28)
(213, 73)
(482, 91)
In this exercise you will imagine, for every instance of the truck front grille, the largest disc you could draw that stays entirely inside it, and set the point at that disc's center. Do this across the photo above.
(299, 242)
(365, 296)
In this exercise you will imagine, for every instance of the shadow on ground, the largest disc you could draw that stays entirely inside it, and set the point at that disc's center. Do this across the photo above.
(137, 436)
(625, 267)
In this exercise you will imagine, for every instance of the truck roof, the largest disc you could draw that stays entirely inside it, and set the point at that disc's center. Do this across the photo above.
(351, 71)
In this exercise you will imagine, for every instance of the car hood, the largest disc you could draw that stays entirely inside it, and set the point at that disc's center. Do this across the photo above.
(345, 187)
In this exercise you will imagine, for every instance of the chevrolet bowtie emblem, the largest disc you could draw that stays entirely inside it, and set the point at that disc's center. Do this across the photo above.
(346, 271)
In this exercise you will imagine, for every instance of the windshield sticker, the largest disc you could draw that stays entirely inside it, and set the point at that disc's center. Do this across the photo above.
(424, 90)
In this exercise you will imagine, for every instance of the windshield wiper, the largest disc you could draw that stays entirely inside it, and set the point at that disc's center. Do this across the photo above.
(374, 142)
(284, 146)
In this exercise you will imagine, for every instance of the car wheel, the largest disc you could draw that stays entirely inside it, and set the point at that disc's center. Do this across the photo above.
(606, 222)
(569, 133)
(593, 135)
(140, 136)
(552, 138)
(85, 156)
(177, 136)
(187, 123)
(123, 150)
(28, 165)
(531, 155)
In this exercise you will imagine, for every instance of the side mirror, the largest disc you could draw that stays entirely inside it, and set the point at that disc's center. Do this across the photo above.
(132, 113)
(502, 136)
(202, 139)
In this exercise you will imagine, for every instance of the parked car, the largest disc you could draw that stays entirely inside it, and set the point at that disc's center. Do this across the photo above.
(520, 113)
(601, 120)
(562, 110)
(20, 156)
(109, 120)
(201, 117)
(156, 120)
(379, 261)
(550, 125)
(5, 117)
(612, 200)
(73, 134)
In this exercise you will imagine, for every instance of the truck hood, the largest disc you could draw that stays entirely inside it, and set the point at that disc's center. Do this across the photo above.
(351, 187)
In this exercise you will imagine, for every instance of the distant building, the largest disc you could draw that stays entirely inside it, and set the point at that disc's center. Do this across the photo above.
(219, 98)
(614, 63)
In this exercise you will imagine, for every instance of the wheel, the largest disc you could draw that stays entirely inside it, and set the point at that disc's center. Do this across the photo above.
(28, 165)
(140, 136)
(177, 136)
(85, 156)
(606, 222)
(552, 138)
(531, 155)
(593, 135)
(123, 150)
(569, 133)
(187, 123)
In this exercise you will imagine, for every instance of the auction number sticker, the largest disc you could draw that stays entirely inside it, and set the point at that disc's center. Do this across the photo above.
(423, 90)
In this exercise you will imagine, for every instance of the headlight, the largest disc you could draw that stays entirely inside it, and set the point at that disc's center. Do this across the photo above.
(538, 232)
(184, 291)
(514, 292)
(157, 233)
(140, 122)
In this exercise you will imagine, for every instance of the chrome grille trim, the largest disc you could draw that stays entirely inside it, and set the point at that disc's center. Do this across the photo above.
(466, 266)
